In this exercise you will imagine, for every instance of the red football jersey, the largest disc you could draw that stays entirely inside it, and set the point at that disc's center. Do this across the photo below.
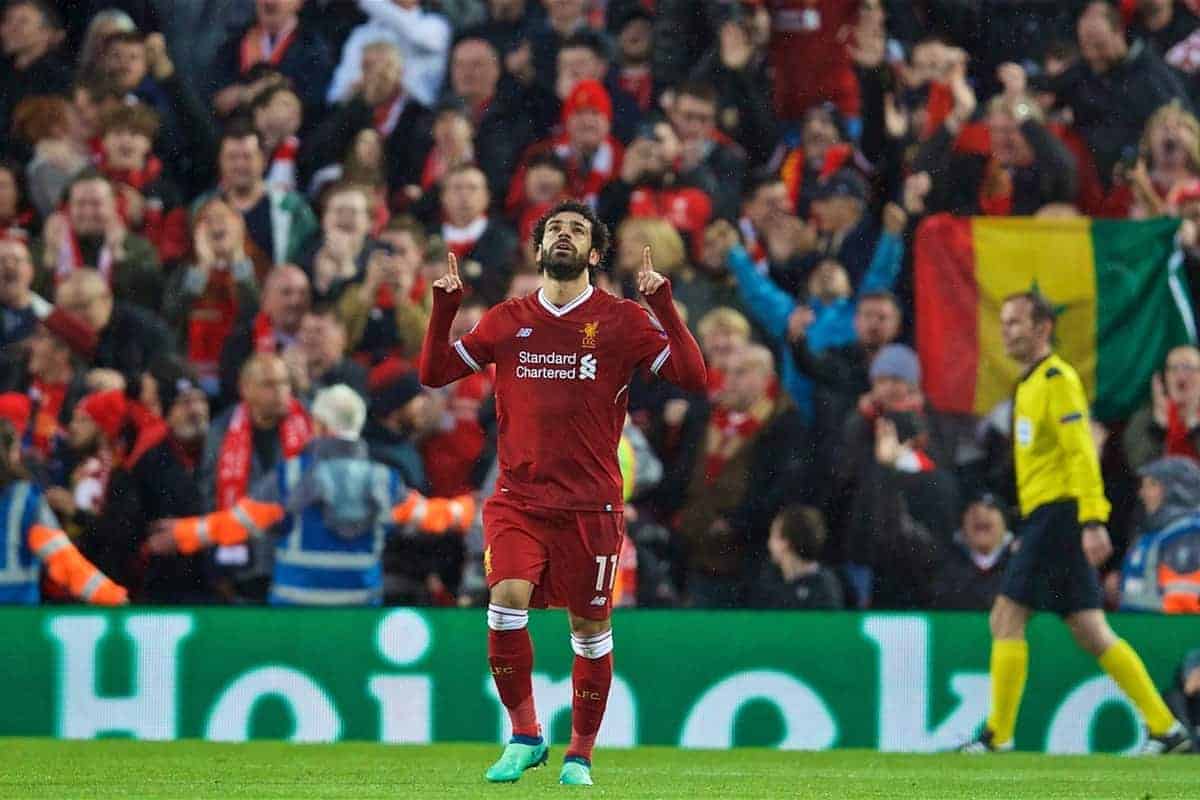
(562, 375)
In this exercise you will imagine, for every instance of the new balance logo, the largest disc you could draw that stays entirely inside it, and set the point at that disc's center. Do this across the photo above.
(587, 369)
(524, 333)
(599, 600)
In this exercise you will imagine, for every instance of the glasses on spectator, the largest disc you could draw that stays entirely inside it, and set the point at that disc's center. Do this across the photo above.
(1183, 367)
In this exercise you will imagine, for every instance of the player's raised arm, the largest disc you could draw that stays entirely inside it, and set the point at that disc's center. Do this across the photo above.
(684, 364)
(440, 364)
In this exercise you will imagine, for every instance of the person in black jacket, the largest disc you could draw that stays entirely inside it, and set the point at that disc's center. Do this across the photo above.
(279, 38)
(840, 375)
(971, 568)
(129, 338)
(795, 579)
(745, 456)
(1114, 88)
(30, 64)
(1026, 168)
(406, 123)
(161, 478)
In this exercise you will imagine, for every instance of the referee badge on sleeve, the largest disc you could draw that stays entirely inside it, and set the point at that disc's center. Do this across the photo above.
(1024, 431)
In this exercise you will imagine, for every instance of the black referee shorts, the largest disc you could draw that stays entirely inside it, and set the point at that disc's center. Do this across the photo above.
(1050, 572)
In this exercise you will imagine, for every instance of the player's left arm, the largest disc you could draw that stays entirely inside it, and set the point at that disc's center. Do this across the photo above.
(683, 363)
(1068, 408)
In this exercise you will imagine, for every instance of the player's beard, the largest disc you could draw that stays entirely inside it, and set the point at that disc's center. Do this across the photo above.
(563, 267)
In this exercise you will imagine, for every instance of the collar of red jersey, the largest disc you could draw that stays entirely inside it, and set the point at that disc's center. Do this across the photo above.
(569, 307)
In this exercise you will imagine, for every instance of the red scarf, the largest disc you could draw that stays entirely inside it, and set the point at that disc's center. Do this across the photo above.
(254, 48)
(263, 335)
(48, 399)
(211, 319)
(386, 115)
(796, 163)
(137, 178)
(639, 83)
(70, 258)
(237, 451)
(282, 171)
(586, 186)
(728, 432)
(1179, 443)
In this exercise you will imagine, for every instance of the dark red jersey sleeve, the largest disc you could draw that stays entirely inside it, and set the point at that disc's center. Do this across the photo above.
(443, 361)
(681, 361)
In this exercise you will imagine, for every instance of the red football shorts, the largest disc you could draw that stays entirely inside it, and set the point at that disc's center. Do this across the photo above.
(569, 556)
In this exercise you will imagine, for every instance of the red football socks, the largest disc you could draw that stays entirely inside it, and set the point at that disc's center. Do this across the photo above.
(510, 654)
(591, 679)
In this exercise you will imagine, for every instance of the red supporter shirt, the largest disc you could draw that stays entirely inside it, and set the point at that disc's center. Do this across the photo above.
(561, 381)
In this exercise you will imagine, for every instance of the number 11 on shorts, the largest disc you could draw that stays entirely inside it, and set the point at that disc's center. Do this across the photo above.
(608, 563)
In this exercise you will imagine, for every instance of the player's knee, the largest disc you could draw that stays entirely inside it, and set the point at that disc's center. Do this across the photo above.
(511, 594)
(592, 646)
(503, 618)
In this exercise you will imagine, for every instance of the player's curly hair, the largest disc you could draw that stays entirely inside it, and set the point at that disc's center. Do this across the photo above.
(601, 238)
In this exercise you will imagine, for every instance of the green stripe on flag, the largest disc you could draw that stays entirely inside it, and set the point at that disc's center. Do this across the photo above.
(1138, 317)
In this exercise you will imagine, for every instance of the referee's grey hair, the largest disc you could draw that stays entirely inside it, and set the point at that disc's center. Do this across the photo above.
(341, 410)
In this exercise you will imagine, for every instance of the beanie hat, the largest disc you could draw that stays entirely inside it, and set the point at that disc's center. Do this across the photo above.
(16, 408)
(897, 361)
(173, 377)
(588, 94)
(395, 394)
(107, 410)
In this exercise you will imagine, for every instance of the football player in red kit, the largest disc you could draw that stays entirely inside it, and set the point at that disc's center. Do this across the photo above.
(564, 356)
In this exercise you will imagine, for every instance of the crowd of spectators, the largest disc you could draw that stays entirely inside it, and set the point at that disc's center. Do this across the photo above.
(208, 212)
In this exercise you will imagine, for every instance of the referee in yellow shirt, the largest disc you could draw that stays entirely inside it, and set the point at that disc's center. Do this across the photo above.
(1063, 537)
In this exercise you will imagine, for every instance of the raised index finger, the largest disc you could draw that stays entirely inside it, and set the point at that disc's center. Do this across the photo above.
(452, 264)
(647, 262)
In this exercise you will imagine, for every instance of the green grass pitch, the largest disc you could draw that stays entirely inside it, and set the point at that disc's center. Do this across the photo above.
(31, 769)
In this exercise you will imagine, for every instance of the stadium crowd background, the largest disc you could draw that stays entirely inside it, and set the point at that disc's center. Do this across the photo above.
(208, 211)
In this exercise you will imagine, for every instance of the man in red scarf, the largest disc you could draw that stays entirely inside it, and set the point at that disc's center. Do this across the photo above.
(276, 38)
(91, 235)
(148, 201)
(591, 153)
(286, 298)
(744, 460)
(265, 429)
(486, 247)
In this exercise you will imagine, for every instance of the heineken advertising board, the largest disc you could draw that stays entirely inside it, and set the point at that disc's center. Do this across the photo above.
(891, 681)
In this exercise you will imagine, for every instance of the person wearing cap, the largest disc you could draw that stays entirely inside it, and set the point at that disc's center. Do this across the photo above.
(845, 231)
(970, 569)
(90, 500)
(893, 478)
(399, 410)
(34, 542)
(1170, 498)
(586, 145)
(585, 56)
(331, 508)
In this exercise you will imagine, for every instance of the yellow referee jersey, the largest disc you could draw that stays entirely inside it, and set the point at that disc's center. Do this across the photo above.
(1053, 450)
